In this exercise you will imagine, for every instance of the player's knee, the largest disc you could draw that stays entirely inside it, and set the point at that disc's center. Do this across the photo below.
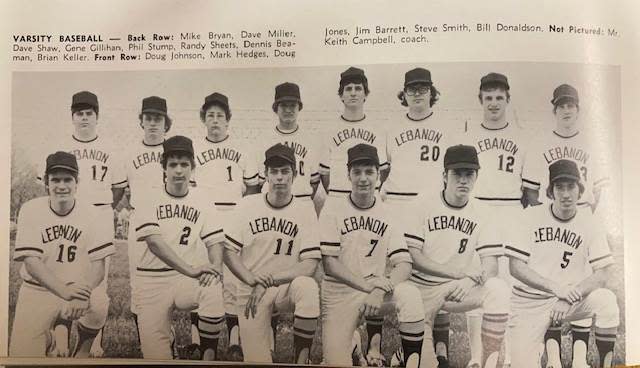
(306, 298)
(498, 294)
(605, 308)
(408, 302)
(96, 316)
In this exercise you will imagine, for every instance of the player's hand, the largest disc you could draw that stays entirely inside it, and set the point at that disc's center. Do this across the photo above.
(76, 291)
(561, 291)
(208, 279)
(372, 303)
(574, 295)
(461, 290)
(76, 308)
(198, 271)
(382, 283)
(559, 311)
(252, 305)
(479, 277)
(265, 279)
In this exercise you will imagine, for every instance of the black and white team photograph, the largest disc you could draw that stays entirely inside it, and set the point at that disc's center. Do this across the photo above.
(426, 215)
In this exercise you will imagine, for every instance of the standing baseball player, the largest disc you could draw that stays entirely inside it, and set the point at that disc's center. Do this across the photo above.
(502, 150)
(227, 171)
(568, 142)
(358, 236)
(64, 252)
(174, 220)
(352, 128)
(562, 262)
(454, 259)
(273, 250)
(143, 171)
(415, 148)
(103, 183)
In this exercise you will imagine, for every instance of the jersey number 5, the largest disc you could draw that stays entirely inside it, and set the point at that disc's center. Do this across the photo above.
(565, 259)
(71, 254)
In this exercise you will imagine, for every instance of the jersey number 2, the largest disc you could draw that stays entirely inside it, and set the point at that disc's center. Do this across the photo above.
(506, 165)
(184, 239)
(424, 153)
(71, 254)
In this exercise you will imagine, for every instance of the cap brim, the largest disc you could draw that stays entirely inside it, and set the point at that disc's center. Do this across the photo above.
(287, 98)
(463, 165)
(154, 111)
(566, 176)
(279, 157)
(557, 100)
(363, 158)
(416, 81)
(63, 167)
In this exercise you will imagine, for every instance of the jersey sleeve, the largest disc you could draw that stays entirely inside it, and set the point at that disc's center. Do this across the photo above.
(397, 251)
(212, 231)
(119, 173)
(312, 163)
(28, 241)
(310, 245)
(412, 229)
(329, 234)
(599, 253)
(381, 146)
(324, 159)
(102, 245)
(532, 167)
(487, 242)
(249, 170)
(518, 242)
(146, 221)
(600, 175)
(234, 239)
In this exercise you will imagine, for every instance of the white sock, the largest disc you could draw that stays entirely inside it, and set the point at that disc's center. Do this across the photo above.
(579, 358)
(553, 354)
(474, 328)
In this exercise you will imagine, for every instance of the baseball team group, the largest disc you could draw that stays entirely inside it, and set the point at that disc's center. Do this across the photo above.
(422, 218)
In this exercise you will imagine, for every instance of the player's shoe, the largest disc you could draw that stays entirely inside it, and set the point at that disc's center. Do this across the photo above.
(96, 352)
(397, 359)
(375, 359)
(357, 358)
(443, 362)
(235, 354)
(191, 352)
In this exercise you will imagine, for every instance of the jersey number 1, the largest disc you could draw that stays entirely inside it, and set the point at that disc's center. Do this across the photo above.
(279, 246)
(71, 254)
(97, 175)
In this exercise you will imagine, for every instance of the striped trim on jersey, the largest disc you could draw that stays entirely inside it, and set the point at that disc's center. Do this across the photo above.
(156, 272)
(526, 293)
(146, 229)
(310, 253)
(213, 237)
(400, 255)
(531, 184)
(233, 244)
(330, 248)
(516, 253)
(601, 261)
(490, 250)
(413, 240)
(101, 251)
(120, 184)
(21, 253)
(417, 278)
(252, 180)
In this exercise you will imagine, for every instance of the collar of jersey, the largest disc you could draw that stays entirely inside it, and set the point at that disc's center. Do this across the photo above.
(362, 208)
(66, 214)
(504, 127)
(277, 207)
(425, 118)
(151, 145)
(287, 133)
(81, 141)
(444, 200)
(558, 218)
(175, 196)
(210, 141)
(566, 137)
(353, 121)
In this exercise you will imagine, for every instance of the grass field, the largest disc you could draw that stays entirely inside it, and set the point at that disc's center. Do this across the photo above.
(120, 336)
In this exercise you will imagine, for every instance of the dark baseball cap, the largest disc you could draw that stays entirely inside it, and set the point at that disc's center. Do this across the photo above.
(279, 152)
(461, 157)
(563, 92)
(84, 99)
(215, 99)
(353, 75)
(362, 152)
(493, 79)
(178, 143)
(287, 92)
(417, 75)
(62, 160)
(563, 169)
(154, 105)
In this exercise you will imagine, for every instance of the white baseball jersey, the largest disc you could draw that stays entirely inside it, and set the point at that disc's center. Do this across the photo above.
(362, 238)
(551, 147)
(182, 222)
(563, 250)
(448, 235)
(271, 239)
(66, 244)
(305, 145)
(341, 136)
(99, 165)
(143, 169)
(415, 150)
(502, 153)
(224, 168)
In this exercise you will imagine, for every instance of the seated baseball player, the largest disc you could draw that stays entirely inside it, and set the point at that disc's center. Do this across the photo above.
(172, 221)
(358, 236)
(273, 250)
(559, 245)
(454, 261)
(63, 253)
